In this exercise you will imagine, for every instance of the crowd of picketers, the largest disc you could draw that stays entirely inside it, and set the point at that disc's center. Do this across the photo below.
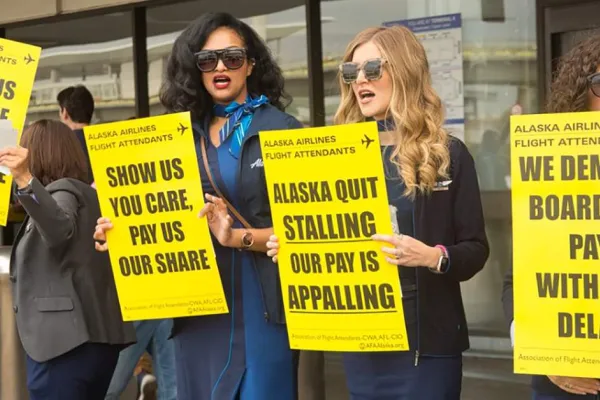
(222, 72)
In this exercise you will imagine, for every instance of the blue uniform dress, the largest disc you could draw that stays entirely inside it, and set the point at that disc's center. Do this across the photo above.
(395, 375)
(237, 355)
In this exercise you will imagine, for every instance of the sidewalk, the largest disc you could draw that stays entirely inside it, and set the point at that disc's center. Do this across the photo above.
(493, 379)
(479, 389)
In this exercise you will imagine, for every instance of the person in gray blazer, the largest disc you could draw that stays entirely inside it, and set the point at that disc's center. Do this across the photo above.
(65, 301)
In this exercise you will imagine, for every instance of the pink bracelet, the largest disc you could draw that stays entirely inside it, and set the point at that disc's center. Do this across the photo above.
(443, 248)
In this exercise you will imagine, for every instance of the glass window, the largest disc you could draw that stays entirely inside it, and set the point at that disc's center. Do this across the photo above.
(83, 51)
(284, 31)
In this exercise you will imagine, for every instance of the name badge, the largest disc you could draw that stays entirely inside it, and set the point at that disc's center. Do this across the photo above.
(441, 185)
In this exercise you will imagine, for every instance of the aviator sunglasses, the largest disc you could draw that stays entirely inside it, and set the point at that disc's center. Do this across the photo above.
(594, 82)
(207, 60)
(373, 69)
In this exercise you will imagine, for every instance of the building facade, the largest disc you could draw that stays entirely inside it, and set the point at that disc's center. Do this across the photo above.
(119, 48)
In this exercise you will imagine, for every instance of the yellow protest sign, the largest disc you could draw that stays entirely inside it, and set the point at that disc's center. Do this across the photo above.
(328, 197)
(556, 241)
(148, 183)
(18, 66)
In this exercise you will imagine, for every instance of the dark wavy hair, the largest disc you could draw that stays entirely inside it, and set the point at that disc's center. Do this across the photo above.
(182, 89)
(569, 89)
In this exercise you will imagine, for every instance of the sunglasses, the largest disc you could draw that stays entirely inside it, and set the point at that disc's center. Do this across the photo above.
(373, 69)
(594, 82)
(207, 60)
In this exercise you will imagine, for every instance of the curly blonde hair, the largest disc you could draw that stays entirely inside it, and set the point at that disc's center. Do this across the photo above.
(421, 150)
(570, 88)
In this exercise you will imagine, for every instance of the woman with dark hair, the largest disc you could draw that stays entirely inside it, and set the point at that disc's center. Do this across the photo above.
(576, 87)
(223, 73)
(193, 70)
(66, 305)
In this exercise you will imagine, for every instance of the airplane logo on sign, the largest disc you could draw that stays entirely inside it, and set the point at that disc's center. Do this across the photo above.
(367, 141)
(181, 128)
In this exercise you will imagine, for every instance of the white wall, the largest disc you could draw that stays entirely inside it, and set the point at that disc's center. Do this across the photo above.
(14, 11)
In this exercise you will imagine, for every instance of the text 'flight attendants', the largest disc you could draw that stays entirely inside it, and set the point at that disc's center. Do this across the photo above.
(148, 183)
(328, 197)
(18, 66)
(556, 242)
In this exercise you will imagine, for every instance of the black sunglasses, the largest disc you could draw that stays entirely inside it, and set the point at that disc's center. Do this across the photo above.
(373, 70)
(594, 82)
(207, 60)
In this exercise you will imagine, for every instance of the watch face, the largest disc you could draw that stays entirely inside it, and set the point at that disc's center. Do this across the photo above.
(247, 239)
(444, 264)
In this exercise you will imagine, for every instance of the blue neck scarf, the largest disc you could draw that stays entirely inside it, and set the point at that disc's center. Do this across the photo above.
(386, 125)
(239, 117)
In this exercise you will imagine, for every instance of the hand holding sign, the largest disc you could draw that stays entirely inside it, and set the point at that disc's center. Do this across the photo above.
(581, 386)
(8, 138)
(219, 220)
(15, 159)
(148, 182)
(19, 65)
(328, 197)
(102, 226)
(273, 246)
(555, 212)
(408, 251)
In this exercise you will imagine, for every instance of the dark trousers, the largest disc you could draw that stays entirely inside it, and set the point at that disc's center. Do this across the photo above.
(84, 373)
(393, 376)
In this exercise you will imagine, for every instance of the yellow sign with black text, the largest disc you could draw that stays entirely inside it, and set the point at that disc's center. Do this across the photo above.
(18, 66)
(555, 163)
(148, 183)
(328, 197)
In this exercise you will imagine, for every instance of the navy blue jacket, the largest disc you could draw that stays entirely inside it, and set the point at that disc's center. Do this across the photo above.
(452, 218)
(254, 206)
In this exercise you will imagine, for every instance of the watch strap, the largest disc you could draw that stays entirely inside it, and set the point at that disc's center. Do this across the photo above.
(27, 189)
(444, 256)
(443, 248)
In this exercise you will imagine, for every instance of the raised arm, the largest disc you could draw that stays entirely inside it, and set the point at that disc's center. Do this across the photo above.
(54, 215)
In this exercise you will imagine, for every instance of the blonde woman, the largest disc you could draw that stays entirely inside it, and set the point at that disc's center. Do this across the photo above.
(440, 237)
